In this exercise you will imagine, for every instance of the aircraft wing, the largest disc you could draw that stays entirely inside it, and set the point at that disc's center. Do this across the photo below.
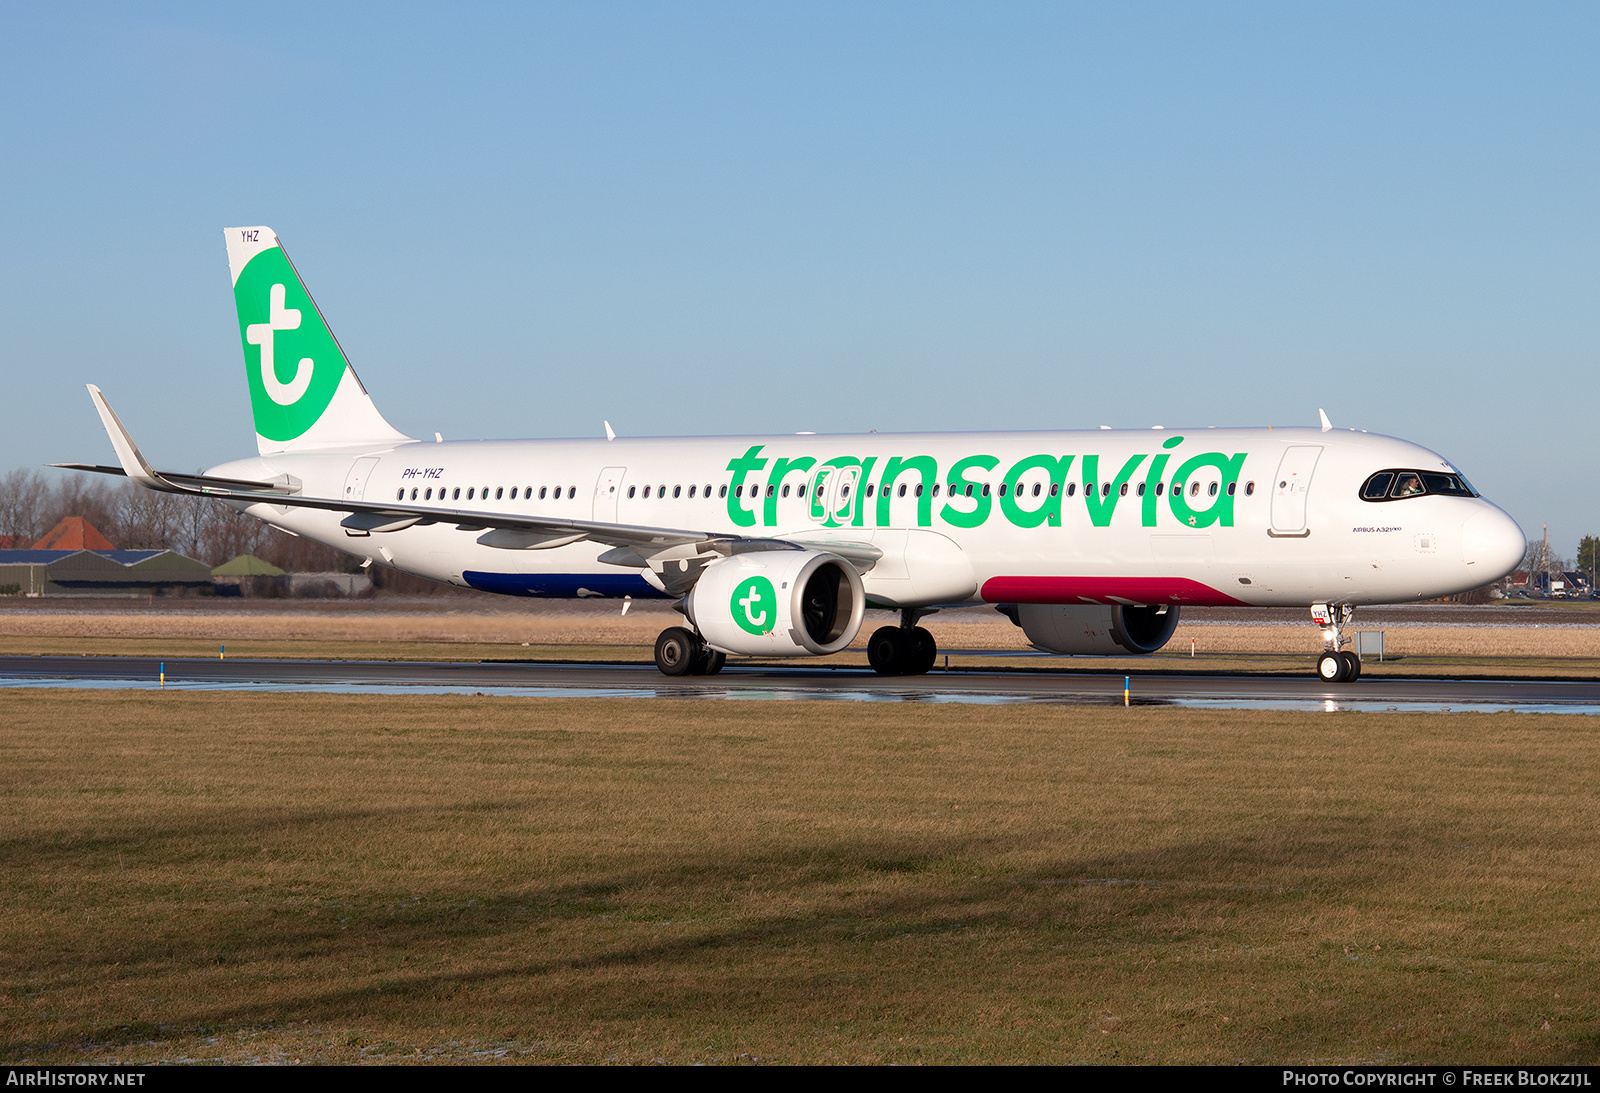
(645, 545)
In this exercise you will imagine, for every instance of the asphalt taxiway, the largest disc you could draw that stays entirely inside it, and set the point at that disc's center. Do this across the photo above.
(1096, 686)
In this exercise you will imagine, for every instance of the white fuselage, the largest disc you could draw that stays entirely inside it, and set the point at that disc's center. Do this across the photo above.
(1265, 517)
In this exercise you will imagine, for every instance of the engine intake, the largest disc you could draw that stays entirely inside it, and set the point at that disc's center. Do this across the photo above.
(1094, 630)
(778, 603)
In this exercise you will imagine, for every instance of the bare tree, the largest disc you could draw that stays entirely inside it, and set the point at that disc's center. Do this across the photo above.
(301, 555)
(89, 496)
(147, 520)
(196, 516)
(228, 533)
(1532, 557)
(24, 501)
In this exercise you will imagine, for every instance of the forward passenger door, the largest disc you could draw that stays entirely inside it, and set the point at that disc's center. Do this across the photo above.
(1290, 488)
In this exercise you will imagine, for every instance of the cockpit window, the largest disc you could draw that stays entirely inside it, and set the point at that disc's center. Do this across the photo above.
(1451, 485)
(1396, 485)
(1407, 484)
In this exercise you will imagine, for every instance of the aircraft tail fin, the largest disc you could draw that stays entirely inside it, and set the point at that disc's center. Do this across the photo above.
(303, 393)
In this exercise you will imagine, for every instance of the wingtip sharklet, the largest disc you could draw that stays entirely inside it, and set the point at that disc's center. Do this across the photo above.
(128, 454)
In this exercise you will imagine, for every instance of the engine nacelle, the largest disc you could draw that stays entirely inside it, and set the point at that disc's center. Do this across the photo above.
(1093, 630)
(778, 603)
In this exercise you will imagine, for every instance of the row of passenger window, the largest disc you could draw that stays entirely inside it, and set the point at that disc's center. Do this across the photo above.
(1018, 489)
(956, 489)
(499, 493)
(677, 491)
(1397, 485)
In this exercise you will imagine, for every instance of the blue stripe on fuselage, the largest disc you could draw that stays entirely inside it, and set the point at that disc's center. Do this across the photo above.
(563, 586)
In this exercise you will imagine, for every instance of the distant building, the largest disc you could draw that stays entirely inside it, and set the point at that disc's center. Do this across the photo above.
(75, 559)
(74, 533)
(318, 585)
(250, 576)
(101, 572)
(247, 565)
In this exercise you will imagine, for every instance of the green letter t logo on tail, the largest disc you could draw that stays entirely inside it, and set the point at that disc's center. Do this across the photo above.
(291, 359)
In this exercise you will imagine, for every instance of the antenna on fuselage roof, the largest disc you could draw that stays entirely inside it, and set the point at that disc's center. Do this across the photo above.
(610, 434)
(1326, 424)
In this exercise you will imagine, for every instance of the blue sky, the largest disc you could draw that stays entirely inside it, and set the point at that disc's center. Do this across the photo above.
(693, 218)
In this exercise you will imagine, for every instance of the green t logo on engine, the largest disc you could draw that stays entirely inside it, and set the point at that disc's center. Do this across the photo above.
(754, 605)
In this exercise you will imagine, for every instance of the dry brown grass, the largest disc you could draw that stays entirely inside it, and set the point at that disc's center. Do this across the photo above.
(469, 634)
(1399, 641)
(432, 628)
(605, 637)
(260, 877)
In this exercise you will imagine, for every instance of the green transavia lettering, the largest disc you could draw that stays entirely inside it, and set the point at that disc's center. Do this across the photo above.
(1036, 491)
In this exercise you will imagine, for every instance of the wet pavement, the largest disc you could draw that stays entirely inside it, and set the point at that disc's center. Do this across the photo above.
(1194, 690)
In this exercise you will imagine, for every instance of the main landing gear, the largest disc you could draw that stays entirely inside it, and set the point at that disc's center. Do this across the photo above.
(1335, 665)
(904, 650)
(681, 652)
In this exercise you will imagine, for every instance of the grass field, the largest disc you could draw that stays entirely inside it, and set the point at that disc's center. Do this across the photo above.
(327, 878)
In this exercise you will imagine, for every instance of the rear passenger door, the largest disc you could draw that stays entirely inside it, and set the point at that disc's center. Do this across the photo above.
(355, 483)
(607, 492)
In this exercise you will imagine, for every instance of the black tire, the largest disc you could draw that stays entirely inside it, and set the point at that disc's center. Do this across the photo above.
(1352, 667)
(886, 651)
(1331, 668)
(677, 651)
(924, 650)
(711, 662)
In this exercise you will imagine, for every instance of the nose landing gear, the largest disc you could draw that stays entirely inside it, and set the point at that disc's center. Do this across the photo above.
(1335, 665)
(1340, 667)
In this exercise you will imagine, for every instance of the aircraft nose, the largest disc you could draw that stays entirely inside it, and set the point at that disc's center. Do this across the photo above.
(1492, 544)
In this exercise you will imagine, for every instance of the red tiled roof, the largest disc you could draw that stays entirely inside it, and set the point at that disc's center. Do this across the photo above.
(74, 533)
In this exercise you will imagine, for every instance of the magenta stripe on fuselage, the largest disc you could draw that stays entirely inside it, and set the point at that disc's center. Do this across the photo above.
(1179, 590)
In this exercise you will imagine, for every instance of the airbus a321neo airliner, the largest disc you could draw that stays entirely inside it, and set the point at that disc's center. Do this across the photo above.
(772, 546)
